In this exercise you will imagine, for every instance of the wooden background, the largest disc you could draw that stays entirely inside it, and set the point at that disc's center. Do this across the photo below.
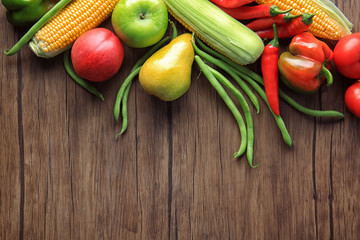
(64, 174)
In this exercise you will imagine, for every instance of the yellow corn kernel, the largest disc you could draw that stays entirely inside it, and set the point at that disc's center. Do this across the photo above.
(66, 26)
(328, 23)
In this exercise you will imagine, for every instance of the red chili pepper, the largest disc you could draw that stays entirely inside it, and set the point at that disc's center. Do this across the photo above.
(294, 27)
(231, 3)
(267, 22)
(251, 12)
(269, 69)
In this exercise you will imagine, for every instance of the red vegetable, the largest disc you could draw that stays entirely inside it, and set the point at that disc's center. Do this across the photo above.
(309, 46)
(97, 55)
(347, 56)
(267, 22)
(269, 69)
(257, 11)
(231, 3)
(304, 67)
(294, 27)
(352, 98)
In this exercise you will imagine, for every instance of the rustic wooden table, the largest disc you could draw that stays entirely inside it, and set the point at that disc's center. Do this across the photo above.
(64, 174)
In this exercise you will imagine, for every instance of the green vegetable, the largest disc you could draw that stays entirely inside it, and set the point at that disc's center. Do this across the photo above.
(221, 91)
(248, 118)
(222, 32)
(26, 12)
(234, 72)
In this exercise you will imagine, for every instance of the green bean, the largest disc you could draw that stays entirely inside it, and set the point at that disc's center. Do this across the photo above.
(120, 94)
(228, 102)
(261, 92)
(248, 118)
(282, 94)
(308, 111)
(279, 121)
(44, 19)
(124, 109)
(225, 67)
(174, 30)
(82, 82)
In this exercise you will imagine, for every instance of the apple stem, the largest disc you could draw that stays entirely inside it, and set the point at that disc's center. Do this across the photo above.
(142, 16)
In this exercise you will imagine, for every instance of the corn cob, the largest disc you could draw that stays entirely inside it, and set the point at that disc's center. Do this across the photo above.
(66, 26)
(220, 31)
(328, 23)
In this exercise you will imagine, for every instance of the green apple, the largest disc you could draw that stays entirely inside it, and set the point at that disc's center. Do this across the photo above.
(140, 23)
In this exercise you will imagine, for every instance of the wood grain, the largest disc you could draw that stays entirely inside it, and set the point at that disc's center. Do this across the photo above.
(65, 175)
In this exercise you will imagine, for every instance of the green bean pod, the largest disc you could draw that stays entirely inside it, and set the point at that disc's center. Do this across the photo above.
(221, 91)
(120, 94)
(223, 66)
(279, 121)
(82, 82)
(247, 113)
(124, 109)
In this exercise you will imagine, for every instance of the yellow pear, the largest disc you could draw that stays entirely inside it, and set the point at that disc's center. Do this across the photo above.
(167, 73)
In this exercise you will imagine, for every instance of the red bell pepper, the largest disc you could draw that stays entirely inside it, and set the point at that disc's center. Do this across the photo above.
(306, 65)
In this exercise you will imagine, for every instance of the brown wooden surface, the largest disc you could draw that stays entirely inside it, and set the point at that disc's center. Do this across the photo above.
(64, 175)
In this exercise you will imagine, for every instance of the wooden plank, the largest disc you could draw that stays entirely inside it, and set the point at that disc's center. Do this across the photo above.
(11, 140)
(47, 183)
(344, 161)
(104, 167)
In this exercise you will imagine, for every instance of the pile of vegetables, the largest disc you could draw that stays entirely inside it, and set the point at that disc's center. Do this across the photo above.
(226, 36)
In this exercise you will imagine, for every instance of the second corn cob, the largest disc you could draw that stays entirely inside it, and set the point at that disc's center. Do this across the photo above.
(65, 27)
(220, 31)
(328, 23)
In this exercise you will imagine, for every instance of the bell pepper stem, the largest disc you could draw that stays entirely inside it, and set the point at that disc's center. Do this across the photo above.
(328, 75)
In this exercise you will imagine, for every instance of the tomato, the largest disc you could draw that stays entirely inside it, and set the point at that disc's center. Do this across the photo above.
(97, 55)
(352, 98)
(347, 56)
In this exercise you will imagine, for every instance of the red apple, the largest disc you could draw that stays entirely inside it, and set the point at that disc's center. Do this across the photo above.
(97, 55)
